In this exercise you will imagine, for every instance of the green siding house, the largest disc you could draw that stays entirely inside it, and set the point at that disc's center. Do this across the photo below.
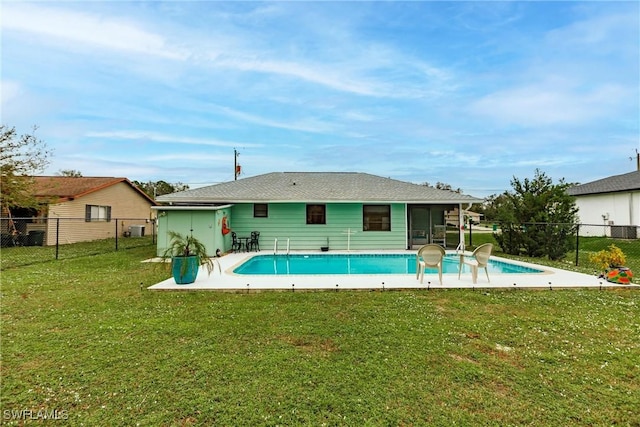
(310, 210)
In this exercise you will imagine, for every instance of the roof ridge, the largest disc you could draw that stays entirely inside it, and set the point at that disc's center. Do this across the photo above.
(325, 187)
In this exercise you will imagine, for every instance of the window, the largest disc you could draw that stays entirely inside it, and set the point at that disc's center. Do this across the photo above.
(260, 210)
(316, 214)
(97, 213)
(376, 218)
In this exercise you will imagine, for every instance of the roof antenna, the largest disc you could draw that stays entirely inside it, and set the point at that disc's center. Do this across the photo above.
(637, 159)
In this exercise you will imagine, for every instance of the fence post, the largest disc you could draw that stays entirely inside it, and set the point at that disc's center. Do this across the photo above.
(116, 234)
(577, 242)
(57, 237)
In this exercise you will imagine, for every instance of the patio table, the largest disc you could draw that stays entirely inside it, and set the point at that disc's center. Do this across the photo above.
(244, 241)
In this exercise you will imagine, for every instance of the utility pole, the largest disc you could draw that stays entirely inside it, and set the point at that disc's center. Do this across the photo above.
(236, 167)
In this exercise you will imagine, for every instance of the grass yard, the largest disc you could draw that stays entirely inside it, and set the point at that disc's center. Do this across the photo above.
(83, 337)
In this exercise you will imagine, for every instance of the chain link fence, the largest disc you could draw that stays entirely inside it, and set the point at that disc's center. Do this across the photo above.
(624, 232)
(31, 240)
(593, 238)
(569, 241)
(26, 241)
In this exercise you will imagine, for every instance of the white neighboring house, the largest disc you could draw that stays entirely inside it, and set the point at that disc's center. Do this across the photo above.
(452, 217)
(613, 203)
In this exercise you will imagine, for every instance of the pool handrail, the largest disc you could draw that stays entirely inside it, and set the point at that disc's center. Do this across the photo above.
(275, 246)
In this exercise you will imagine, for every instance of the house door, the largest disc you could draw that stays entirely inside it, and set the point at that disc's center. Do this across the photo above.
(419, 226)
(421, 222)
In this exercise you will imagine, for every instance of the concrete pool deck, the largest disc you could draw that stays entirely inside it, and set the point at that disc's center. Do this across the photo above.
(551, 278)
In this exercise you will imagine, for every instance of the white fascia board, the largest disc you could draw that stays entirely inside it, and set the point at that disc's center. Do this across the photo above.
(432, 202)
(190, 208)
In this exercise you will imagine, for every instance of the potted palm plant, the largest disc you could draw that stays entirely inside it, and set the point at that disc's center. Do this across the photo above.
(187, 255)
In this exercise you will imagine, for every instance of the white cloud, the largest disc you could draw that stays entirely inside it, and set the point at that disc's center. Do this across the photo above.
(315, 74)
(608, 31)
(20, 105)
(197, 157)
(308, 125)
(583, 72)
(143, 136)
(543, 104)
(10, 90)
(86, 29)
(356, 67)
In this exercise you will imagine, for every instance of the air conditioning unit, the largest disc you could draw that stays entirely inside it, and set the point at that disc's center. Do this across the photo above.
(624, 232)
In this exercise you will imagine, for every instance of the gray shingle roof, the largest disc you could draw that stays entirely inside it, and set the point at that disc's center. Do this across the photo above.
(316, 187)
(613, 184)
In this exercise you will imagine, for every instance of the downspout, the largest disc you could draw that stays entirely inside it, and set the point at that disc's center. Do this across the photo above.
(461, 225)
(407, 227)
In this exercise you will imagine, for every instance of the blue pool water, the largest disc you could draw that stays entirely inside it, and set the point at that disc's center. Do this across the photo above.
(359, 264)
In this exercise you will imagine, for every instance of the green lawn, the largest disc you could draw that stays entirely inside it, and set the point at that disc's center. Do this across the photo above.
(85, 338)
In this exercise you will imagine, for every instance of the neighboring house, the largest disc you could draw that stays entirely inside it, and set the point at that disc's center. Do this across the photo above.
(612, 203)
(87, 208)
(453, 217)
(310, 210)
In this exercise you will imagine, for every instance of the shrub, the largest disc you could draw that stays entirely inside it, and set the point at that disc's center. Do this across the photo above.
(607, 258)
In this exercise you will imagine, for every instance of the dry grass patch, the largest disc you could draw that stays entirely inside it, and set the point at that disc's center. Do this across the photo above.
(312, 345)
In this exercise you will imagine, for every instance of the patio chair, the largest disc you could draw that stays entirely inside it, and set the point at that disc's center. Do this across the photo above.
(439, 235)
(430, 255)
(236, 244)
(254, 241)
(479, 259)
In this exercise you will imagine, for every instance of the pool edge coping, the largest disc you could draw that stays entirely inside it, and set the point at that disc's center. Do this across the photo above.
(550, 278)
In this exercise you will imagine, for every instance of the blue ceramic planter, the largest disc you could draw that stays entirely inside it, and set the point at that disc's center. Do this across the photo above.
(185, 274)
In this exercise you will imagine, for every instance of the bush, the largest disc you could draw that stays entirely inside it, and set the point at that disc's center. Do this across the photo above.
(608, 258)
(537, 218)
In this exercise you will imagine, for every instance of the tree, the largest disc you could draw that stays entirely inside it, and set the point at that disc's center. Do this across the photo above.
(443, 186)
(158, 188)
(538, 217)
(71, 173)
(491, 204)
(21, 157)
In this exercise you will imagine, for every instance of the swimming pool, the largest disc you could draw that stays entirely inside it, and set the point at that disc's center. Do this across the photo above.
(360, 264)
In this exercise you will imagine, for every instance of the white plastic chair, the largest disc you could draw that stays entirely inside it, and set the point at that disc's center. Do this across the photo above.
(439, 235)
(430, 255)
(479, 259)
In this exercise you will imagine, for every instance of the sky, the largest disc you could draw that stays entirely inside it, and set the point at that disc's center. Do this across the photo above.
(471, 94)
